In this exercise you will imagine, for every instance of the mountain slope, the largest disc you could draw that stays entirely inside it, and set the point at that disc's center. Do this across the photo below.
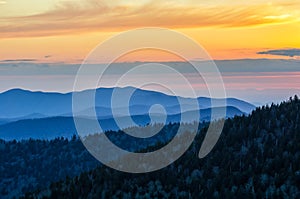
(257, 156)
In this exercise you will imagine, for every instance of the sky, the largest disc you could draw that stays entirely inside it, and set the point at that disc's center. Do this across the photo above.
(42, 43)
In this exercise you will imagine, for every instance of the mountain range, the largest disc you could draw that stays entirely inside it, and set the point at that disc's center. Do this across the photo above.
(18, 103)
(53, 127)
(27, 114)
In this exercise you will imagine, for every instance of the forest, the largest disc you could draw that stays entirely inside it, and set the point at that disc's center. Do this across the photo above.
(257, 156)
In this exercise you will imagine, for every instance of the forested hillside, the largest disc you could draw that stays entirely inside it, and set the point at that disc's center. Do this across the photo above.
(32, 164)
(28, 165)
(257, 156)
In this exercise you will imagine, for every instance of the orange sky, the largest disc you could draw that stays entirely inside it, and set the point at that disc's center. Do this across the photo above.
(66, 31)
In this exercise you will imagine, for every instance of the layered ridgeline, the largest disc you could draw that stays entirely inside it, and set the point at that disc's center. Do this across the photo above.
(257, 156)
(26, 114)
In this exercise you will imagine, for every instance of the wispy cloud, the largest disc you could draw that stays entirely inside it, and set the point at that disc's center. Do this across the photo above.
(95, 16)
(250, 66)
(18, 60)
(292, 52)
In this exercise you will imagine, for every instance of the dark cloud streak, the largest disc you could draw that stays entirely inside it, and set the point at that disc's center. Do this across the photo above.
(292, 52)
(19, 60)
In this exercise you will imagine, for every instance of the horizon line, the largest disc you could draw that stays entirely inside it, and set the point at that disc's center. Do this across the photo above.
(37, 61)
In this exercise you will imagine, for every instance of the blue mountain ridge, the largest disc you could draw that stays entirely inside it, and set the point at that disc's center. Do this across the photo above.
(18, 104)
(41, 115)
(52, 127)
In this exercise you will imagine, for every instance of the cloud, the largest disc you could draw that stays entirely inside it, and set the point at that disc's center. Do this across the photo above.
(24, 60)
(16, 69)
(283, 52)
(226, 67)
(18, 60)
(66, 18)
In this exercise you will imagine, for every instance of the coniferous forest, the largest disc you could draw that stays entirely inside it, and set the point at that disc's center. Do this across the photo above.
(257, 156)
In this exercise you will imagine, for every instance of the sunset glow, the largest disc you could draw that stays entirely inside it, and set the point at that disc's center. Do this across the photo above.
(66, 31)
(255, 44)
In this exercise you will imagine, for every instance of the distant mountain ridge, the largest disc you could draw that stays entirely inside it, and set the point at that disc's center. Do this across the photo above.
(53, 127)
(18, 103)
(26, 114)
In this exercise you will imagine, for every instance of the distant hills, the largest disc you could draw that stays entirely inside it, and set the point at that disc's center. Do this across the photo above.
(53, 127)
(25, 104)
(41, 115)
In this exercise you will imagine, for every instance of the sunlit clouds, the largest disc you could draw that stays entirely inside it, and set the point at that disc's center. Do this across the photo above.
(68, 30)
(67, 17)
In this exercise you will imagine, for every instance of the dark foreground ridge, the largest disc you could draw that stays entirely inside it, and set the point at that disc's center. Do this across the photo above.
(29, 165)
(257, 156)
